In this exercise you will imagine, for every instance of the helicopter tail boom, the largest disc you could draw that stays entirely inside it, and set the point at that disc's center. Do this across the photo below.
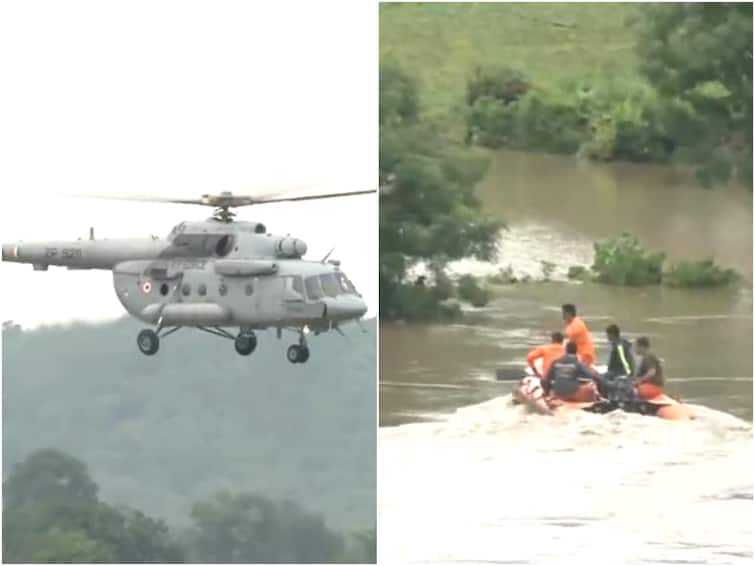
(82, 254)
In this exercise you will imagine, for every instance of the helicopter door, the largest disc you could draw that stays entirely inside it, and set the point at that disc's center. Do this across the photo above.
(269, 293)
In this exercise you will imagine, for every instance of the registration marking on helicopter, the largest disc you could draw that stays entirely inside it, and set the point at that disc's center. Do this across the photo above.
(71, 252)
(188, 263)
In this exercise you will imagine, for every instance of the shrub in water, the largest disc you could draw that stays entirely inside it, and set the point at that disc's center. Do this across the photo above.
(623, 261)
(692, 274)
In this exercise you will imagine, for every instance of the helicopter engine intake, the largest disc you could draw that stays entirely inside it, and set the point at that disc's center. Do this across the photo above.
(290, 247)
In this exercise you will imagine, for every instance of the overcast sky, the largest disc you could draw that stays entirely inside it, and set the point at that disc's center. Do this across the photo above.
(181, 99)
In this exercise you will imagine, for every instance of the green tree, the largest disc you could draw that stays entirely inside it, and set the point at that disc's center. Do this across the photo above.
(247, 528)
(56, 545)
(48, 474)
(429, 210)
(699, 56)
(51, 514)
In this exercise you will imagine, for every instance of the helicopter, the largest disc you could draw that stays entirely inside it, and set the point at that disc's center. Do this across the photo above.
(214, 274)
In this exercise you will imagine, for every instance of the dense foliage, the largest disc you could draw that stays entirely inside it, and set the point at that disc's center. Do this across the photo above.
(237, 528)
(161, 433)
(603, 122)
(428, 207)
(703, 273)
(51, 513)
(623, 261)
(48, 523)
(699, 56)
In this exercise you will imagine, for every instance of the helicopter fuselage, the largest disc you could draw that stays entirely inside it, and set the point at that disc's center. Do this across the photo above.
(252, 293)
(212, 274)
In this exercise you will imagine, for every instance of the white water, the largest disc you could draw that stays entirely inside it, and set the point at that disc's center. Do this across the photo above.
(522, 249)
(495, 484)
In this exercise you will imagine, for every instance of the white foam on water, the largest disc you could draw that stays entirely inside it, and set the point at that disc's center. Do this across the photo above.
(494, 483)
(523, 249)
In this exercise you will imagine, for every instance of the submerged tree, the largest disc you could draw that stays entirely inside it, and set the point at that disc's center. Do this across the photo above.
(428, 207)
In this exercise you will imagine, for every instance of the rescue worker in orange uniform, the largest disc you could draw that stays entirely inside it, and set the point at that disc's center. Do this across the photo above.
(548, 353)
(649, 378)
(576, 331)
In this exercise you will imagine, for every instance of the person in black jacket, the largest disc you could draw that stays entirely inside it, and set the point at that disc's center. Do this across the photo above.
(569, 379)
(621, 366)
(621, 360)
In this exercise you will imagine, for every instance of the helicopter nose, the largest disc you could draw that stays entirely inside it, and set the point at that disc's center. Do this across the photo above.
(361, 308)
(345, 308)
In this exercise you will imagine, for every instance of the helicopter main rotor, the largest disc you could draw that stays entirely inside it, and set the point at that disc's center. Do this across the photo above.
(225, 201)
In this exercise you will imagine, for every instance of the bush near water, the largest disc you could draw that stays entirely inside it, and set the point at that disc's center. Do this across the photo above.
(429, 211)
(623, 261)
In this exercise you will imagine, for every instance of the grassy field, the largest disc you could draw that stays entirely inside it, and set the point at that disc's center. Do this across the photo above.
(441, 43)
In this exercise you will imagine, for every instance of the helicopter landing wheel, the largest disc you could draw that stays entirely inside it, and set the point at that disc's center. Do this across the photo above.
(148, 342)
(297, 354)
(245, 344)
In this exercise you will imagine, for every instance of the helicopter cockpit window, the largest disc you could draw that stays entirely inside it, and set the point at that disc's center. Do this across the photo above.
(329, 284)
(346, 285)
(177, 229)
(312, 285)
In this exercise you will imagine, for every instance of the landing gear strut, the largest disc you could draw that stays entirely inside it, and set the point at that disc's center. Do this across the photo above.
(245, 342)
(298, 353)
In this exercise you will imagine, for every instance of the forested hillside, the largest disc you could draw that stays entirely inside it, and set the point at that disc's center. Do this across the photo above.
(161, 433)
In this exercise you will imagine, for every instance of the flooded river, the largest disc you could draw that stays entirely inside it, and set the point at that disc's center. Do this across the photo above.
(470, 468)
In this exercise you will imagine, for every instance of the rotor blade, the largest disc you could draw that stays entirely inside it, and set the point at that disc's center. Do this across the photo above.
(311, 197)
(224, 199)
(139, 198)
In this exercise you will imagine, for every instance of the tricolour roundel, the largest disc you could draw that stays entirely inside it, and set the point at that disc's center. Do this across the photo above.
(147, 287)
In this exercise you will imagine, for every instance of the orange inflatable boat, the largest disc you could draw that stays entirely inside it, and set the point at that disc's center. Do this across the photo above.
(529, 391)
